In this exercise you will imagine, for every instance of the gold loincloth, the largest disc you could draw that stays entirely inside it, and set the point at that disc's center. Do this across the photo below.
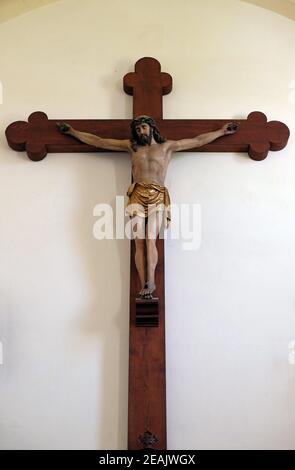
(146, 197)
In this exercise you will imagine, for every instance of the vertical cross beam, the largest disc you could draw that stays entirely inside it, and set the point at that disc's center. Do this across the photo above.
(147, 377)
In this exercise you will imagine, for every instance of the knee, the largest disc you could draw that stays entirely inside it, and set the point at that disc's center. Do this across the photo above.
(151, 243)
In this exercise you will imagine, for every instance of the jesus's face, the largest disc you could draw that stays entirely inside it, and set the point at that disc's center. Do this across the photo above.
(144, 135)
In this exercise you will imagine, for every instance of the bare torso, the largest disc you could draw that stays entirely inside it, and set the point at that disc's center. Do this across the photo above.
(150, 162)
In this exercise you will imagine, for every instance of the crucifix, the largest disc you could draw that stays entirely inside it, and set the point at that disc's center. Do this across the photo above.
(146, 146)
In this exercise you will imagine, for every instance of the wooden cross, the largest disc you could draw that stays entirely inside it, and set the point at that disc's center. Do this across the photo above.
(40, 135)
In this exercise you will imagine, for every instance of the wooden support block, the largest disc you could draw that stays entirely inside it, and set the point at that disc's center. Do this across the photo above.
(147, 312)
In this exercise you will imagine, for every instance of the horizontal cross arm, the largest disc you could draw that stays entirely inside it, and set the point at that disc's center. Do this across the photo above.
(41, 135)
(255, 135)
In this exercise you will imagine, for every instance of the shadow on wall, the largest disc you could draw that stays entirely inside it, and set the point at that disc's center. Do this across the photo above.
(282, 7)
(12, 8)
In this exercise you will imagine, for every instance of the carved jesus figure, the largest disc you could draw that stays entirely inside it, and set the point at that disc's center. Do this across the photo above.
(149, 200)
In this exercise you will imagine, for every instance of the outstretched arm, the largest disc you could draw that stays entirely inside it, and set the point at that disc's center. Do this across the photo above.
(95, 140)
(203, 139)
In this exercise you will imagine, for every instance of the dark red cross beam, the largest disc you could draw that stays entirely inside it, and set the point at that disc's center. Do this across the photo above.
(147, 84)
(40, 135)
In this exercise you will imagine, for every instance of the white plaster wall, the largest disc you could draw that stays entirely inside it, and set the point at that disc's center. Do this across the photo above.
(230, 305)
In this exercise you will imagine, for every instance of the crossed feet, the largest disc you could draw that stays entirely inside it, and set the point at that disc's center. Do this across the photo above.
(147, 290)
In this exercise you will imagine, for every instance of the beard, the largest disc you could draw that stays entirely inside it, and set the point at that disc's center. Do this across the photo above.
(144, 139)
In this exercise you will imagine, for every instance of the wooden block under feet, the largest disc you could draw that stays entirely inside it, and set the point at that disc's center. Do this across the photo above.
(147, 312)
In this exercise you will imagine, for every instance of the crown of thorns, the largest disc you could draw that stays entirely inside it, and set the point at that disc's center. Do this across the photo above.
(143, 119)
